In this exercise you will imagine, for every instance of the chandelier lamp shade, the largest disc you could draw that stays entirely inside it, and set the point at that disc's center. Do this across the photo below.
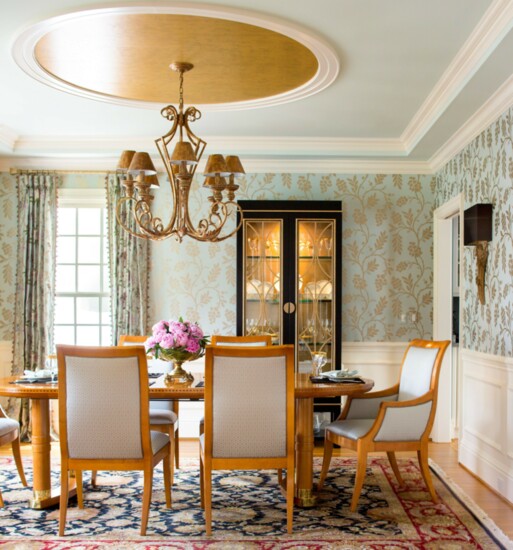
(180, 150)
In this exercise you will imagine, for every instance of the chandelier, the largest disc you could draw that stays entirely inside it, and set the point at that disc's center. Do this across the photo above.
(138, 176)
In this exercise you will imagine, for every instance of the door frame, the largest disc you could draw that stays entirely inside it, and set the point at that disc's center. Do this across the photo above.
(442, 307)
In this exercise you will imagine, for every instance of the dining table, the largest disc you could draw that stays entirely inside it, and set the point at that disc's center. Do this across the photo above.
(306, 391)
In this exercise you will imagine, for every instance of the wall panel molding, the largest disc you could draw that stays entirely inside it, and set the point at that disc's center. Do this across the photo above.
(485, 447)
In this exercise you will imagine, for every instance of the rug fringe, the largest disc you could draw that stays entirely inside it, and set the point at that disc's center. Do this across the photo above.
(483, 517)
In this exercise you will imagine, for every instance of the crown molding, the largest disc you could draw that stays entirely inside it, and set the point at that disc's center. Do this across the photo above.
(251, 165)
(8, 139)
(242, 145)
(488, 113)
(491, 29)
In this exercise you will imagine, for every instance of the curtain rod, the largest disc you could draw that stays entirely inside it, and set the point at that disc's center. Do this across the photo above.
(16, 171)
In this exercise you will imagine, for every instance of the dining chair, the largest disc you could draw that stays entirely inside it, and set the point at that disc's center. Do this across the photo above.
(399, 418)
(246, 341)
(163, 414)
(253, 340)
(249, 416)
(10, 433)
(104, 420)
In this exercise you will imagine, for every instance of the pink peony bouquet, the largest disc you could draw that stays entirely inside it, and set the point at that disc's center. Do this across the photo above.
(176, 341)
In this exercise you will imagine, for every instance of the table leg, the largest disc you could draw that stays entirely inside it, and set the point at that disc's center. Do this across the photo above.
(42, 496)
(305, 497)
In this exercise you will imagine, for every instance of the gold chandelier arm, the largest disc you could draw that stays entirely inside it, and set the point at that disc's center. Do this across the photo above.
(127, 211)
(208, 229)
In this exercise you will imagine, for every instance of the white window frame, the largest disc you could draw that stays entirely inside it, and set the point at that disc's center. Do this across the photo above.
(85, 198)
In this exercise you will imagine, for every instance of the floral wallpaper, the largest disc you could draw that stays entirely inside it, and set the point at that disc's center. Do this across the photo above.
(8, 211)
(386, 254)
(483, 172)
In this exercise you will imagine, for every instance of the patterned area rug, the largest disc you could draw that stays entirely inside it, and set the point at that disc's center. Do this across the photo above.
(249, 513)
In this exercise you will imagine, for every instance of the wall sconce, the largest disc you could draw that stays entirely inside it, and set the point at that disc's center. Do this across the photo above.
(478, 231)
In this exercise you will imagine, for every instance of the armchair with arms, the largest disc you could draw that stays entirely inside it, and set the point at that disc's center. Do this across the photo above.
(10, 433)
(399, 418)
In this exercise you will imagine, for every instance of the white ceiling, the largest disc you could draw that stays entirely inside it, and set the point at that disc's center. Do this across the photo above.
(418, 80)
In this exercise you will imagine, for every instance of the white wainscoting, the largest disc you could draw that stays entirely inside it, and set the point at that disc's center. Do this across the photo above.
(486, 444)
(380, 361)
(5, 363)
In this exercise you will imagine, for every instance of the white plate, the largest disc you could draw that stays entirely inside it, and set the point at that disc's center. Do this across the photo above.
(340, 373)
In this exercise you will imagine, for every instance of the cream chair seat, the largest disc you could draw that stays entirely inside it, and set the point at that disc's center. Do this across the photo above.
(249, 415)
(10, 433)
(399, 418)
(104, 420)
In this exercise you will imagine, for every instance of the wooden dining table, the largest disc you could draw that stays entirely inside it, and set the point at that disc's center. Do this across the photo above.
(305, 392)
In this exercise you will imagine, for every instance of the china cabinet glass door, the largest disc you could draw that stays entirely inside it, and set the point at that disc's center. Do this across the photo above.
(263, 268)
(315, 284)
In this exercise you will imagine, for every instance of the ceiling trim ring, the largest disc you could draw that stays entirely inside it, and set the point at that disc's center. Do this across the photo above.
(328, 63)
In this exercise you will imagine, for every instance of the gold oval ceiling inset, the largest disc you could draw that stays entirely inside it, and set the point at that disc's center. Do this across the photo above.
(123, 55)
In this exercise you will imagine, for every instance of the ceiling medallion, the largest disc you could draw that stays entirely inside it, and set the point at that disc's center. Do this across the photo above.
(90, 53)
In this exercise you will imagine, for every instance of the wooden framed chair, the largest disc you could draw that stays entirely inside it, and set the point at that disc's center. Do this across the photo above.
(104, 420)
(254, 340)
(247, 341)
(249, 416)
(10, 433)
(399, 418)
(163, 414)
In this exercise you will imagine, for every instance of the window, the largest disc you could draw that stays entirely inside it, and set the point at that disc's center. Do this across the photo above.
(82, 290)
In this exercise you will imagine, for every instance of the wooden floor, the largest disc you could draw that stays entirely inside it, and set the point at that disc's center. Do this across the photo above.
(444, 454)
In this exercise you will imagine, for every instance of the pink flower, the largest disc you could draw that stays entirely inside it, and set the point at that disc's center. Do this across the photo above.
(168, 341)
(196, 331)
(150, 343)
(161, 326)
(193, 346)
(181, 339)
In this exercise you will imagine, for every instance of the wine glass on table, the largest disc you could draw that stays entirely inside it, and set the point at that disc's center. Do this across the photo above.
(319, 359)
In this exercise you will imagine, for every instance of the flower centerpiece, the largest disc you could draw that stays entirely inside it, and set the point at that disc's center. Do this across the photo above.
(177, 341)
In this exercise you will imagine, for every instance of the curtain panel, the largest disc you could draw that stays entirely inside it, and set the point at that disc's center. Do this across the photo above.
(129, 267)
(35, 281)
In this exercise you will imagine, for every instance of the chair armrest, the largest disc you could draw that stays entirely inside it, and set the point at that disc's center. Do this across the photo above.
(403, 420)
(367, 405)
(2, 413)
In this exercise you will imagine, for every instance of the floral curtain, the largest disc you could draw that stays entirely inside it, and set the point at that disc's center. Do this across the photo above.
(35, 281)
(129, 266)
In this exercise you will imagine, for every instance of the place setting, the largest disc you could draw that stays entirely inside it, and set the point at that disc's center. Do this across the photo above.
(342, 376)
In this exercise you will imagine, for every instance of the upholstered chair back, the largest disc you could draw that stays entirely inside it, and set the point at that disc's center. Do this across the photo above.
(244, 344)
(417, 372)
(249, 406)
(104, 400)
(245, 341)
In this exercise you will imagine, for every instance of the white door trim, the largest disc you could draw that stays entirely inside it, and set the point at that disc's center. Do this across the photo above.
(442, 306)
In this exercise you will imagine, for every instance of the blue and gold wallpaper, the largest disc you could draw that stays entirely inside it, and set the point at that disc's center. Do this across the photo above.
(483, 172)
(386, 254)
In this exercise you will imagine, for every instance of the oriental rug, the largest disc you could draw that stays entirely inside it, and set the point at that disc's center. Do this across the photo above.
(249, 513)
